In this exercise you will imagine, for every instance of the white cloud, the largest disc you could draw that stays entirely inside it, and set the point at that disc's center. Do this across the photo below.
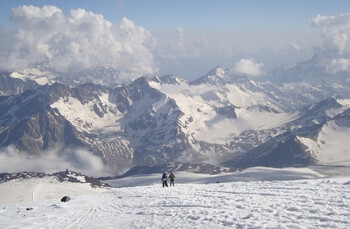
(337, 65)
(248, 67)
(296, 46)
(180, 42)
(335, 30)
(178, 47)
(179, 30)
(75, 41)
(78, 159)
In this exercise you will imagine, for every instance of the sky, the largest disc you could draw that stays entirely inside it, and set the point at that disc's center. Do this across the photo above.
(183, 37)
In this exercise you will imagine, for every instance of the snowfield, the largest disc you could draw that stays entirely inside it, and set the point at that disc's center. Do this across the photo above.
(35, 189)
(198, 203)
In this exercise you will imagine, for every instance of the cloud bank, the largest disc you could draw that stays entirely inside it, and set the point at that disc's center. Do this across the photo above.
(337, 65)
(296, 46)
(74, 41)
(248, 67)
(14, 160)
(335, 31)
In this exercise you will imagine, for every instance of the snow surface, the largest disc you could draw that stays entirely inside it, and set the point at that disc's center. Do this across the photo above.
(245, 203)
(85, 118)
(35, 189)
(250, 174)
(42, 77)
(334, 145)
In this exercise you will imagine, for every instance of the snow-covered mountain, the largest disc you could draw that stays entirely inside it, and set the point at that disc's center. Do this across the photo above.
(11, 85)
(101, 75)
(132, 124)
(317, 127)
(310, 81)
(222, 117)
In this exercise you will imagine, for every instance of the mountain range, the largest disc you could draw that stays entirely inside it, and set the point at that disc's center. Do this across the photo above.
(297, 115)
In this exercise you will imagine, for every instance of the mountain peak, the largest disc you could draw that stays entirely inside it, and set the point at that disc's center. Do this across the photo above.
(218, 71)
(214, 77)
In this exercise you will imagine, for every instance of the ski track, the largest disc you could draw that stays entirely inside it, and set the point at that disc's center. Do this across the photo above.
(254, 204)
(35, 192)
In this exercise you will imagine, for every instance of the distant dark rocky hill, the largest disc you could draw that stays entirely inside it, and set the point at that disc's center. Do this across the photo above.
(63, 176)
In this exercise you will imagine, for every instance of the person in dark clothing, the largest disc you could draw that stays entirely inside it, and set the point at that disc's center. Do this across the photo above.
(165, 180)
(172, 178)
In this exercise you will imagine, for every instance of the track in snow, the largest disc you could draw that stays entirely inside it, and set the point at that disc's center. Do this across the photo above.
(35, 192)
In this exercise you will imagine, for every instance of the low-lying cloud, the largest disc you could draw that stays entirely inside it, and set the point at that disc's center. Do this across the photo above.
(296, 46)
(248, 67)
(338, 65)
(57, 159)
(74, 41)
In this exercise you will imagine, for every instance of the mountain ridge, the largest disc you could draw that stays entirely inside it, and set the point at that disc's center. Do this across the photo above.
(222, 117)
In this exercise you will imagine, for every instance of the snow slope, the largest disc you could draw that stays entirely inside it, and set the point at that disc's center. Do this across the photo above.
(36, 189)
(331, 144)
(334, 145)
(311, 203)
(250, 174)
(84, 117)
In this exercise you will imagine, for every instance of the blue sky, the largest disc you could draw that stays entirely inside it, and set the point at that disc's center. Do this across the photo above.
(203, 15)
(211, 32)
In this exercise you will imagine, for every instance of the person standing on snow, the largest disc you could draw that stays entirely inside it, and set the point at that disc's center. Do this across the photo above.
(172, 178)
(165, 180)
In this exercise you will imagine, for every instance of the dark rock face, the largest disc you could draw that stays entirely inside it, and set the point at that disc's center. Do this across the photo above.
(287, 152)
(228, 111)
(28, 122)
(88, 92)
(161, 139)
